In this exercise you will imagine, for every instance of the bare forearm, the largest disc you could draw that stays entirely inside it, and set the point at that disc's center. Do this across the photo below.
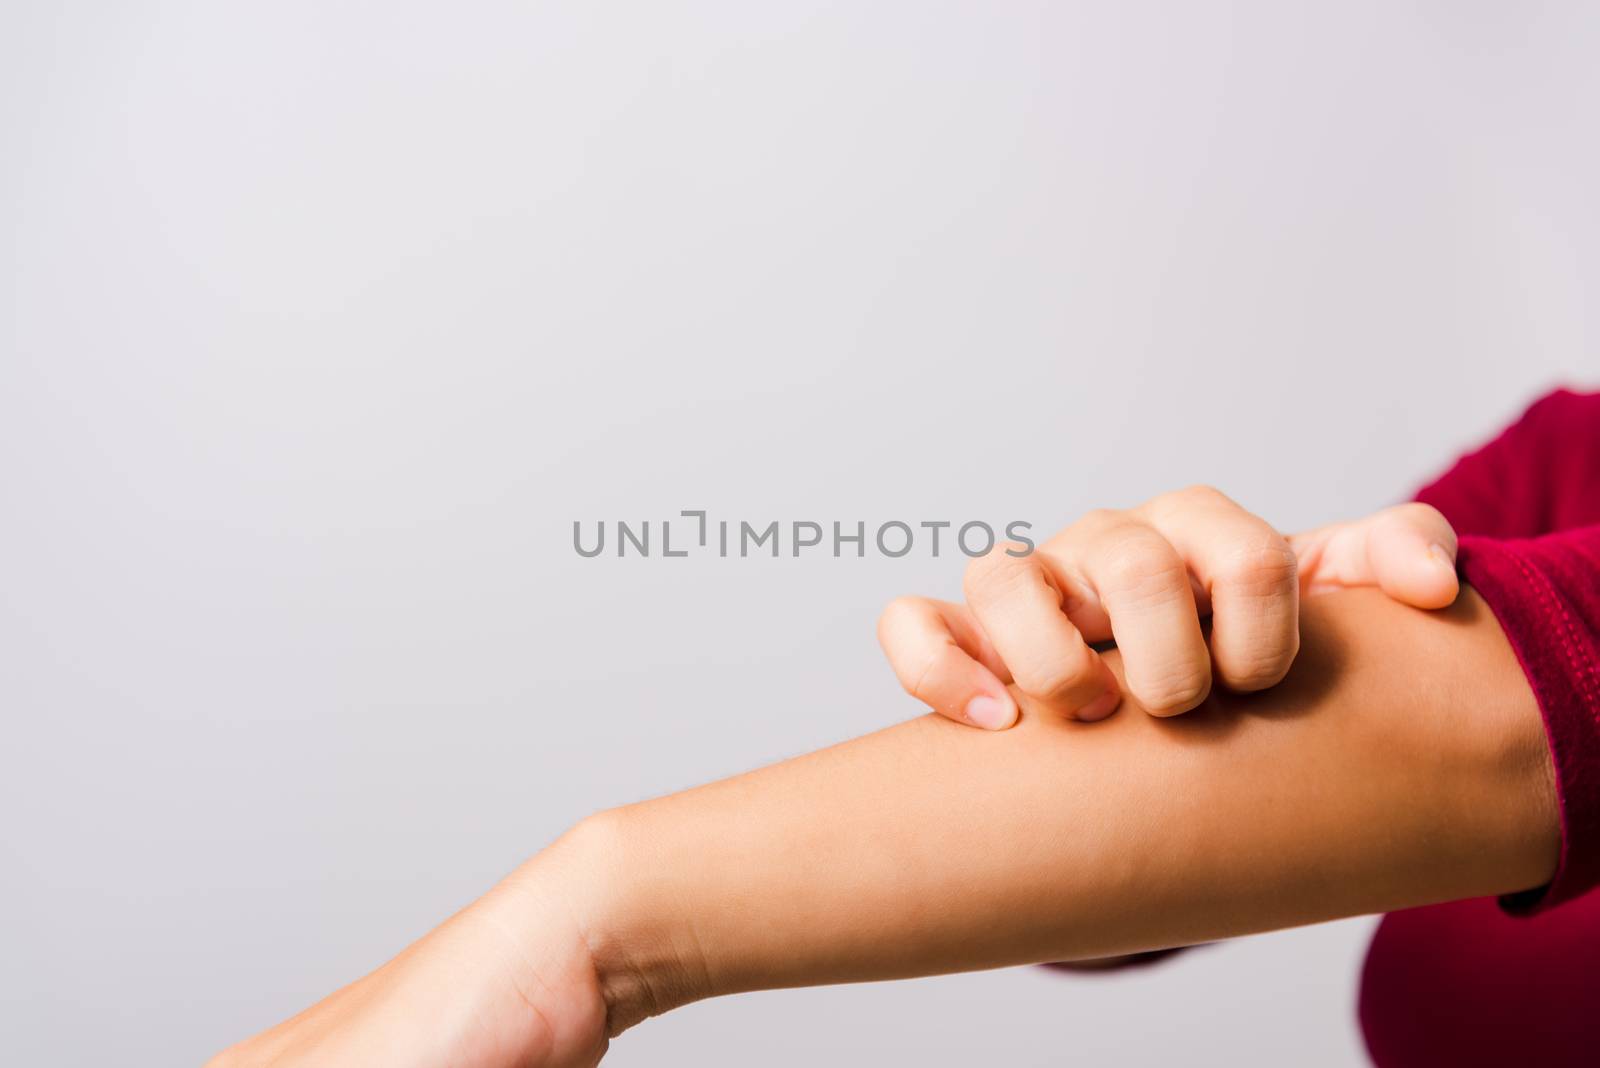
(1401, 763)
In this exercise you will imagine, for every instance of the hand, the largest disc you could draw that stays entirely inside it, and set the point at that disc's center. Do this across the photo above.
(1145, 577)
(507, 981)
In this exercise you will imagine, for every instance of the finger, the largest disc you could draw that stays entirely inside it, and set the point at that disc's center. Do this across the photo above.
(1408, 551)
(1412, 550)
(1015, 603)
(935, 650)
(1143, 585)
(1248, 572)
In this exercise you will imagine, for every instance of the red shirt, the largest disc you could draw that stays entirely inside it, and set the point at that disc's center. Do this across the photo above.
(1517, 981)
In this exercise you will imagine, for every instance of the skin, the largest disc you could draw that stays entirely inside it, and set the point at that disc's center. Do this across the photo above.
(1146, 578)
(1150, 578)
(1401, 762)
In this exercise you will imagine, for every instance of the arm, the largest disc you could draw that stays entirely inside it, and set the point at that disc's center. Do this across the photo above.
(1402, 762)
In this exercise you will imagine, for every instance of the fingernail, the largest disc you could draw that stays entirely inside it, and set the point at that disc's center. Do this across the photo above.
(991, 713)
(1442, 555)
(1099, 708)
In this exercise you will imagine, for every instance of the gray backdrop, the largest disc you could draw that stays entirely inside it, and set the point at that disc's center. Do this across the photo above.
(323, 322)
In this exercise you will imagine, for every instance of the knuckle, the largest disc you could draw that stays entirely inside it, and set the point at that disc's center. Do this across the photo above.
(995, 575)
(1141, 572)
(1189, 499)
(1264, 568)
(1096, 521)
(901, 607)
(1056, 677)
(1201, 493)
(896, 611)
(919, 681)
(1014, 549)
(1193, 502)
(923, 672)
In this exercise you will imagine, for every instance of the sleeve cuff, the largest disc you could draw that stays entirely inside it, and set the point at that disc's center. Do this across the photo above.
(1523, 587)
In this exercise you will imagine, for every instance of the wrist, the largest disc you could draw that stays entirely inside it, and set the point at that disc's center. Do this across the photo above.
(1509, 750)
(1480, 743)
(643, 966)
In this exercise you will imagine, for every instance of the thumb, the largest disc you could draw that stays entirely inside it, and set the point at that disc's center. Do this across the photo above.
(1408, 551)
(1412, 551)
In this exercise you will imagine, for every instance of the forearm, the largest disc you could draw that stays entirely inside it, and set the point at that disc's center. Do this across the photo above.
(1401, 763)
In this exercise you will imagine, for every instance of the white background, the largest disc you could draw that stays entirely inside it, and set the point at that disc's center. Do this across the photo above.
(320, 324)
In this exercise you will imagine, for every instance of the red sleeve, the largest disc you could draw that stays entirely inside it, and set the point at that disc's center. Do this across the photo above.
(1528, 505)
(1541, 474)
(1546, 594)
